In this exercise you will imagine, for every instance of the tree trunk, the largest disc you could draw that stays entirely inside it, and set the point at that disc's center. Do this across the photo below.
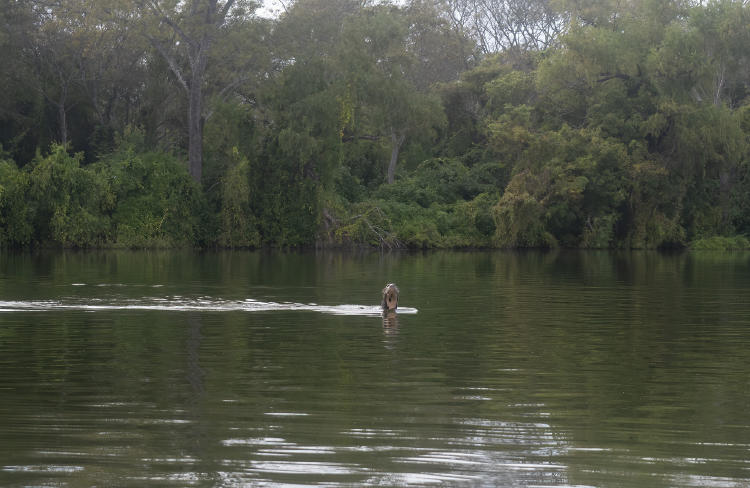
(206, 17)
(195, 128)
(62, 113)
(63, 123)
(397, 140)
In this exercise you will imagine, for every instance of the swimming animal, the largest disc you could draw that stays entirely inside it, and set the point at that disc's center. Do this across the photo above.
(390, 298)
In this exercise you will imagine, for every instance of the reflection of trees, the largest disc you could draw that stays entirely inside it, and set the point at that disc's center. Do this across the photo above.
(613, 343)
(592, 360)
(628, 351)
(195, 374)
(200, 434)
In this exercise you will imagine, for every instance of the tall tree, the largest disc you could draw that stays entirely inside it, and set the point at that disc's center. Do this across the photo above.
(184, 33)
(384, 72)
(441, 52)
(56, 59)
(113, 70)
(107, 65)
(19, 106)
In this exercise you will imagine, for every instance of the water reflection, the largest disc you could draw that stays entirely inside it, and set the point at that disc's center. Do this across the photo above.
(390, 322)
(195, 374)
(555, 369)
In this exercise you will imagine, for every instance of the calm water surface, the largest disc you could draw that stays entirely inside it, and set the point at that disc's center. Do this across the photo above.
(269, 369)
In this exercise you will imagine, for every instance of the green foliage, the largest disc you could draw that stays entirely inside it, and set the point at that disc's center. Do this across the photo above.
(128, 199)
(393, 224)
(630, 130)
(720, 243)
(512, 89)
(654, 218)
(445, 181)
(229, 135)
(365, 224)
(284, 194)
(463, 224)
(519, 217)
(599, 232)
(70, 205)
(157, 204)
(16, 228)
(239, 227)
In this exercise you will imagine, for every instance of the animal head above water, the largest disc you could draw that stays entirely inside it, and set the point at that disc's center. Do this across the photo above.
(390, 297)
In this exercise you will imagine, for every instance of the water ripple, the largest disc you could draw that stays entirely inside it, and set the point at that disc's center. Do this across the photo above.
(181, 304)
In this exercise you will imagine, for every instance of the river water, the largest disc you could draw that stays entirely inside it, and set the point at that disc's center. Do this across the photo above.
(277, 369)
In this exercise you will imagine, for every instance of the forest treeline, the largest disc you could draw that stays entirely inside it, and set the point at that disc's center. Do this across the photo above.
(424, 123)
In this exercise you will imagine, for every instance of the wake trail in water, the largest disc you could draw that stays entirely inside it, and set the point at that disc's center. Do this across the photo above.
(181, 304)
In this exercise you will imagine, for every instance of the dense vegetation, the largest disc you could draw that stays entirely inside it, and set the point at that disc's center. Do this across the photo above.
(445, 123)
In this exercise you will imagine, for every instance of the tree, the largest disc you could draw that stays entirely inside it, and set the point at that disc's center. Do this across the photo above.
(57, 56)
(113, 68)
(706, 58)
(381, 73)
(19, 107)
(440, 52)
(108, 65)
(84, 66)
(192, 28)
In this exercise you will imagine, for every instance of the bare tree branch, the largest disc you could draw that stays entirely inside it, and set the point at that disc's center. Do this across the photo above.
(170, 61)
(224, 12)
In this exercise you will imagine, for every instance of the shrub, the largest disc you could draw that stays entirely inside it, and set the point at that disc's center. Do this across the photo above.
(519, 219)
(239, 227)
(157, 203)
(16, 227)
(69, 205)
(445, 180)
(721, 243)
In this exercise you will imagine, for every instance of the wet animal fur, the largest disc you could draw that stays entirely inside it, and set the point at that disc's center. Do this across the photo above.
(390, 297)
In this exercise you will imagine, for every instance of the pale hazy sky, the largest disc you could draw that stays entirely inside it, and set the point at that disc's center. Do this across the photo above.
(270, 8)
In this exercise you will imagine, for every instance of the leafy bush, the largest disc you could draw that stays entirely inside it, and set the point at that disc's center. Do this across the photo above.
(444, 181)
(156, 202)
(519, 219)
(600, 232)
(239, 226)
(16, 228)
(284, 192)
(392, 224)
(69, 205)
(721, 243)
